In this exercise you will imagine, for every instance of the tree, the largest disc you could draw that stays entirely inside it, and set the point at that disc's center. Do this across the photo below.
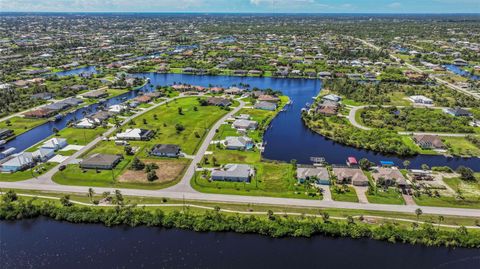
(406, 164)
(418, 212)
(90, 193)
(325, 216)
(179, 128)
(55, 130)
(465, 173)
(365, 164)
(9, 196)
(180, 111)
(128, 150)
(137, 165)
(152, 175)
(118, 197)
(65, 200)
(425, 167)
(8, 123)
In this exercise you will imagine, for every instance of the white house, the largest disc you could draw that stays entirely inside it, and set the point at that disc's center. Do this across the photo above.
(234, 172)
(420, 99)
(135, 134)
(86, 123)
(18, 162)
(55, 143)
(117, 109)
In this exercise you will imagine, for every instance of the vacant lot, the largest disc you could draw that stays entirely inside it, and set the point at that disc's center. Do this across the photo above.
(20, 125)
(168, 171)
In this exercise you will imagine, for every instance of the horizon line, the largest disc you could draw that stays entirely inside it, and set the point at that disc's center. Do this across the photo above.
(247, 12)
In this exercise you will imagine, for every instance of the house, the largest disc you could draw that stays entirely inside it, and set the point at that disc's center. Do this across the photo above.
(218, 101)
(57, 106)
(233, 90)
(135, 134)
(116, 109)
(319, 174)
(101, 116)
(460, 62)
(143, 99)
(166, 150)
(348, 175)
(72, 101)
(86, 123)
(43, 154)
(429, 141)
(234, 173)
(332, 97)
(418, 174)
(55, 143)
(243, 117)
(5, 133)
(389, 175)
(324, 75)
(268, 98)
(265, 106)
(17, 162)
(39, 113)
(327, 108)
(457, 112)
(43, 96)
(101, 161)
(96, 94)
(245, 124)
(238, 143)
(420, 99)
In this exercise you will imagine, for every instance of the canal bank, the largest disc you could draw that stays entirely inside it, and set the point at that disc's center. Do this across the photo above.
(286, 139)
(43, 245)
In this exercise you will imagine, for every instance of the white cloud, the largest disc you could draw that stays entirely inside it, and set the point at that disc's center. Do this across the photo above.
(395, 5)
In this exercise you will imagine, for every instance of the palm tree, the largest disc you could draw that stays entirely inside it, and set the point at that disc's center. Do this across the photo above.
(418, 212)
(90, 194)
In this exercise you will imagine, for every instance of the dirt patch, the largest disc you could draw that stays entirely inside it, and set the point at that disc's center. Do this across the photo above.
(168, 170)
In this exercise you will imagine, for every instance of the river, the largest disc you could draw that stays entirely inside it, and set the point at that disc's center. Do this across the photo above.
(45, 243)
(287, 138)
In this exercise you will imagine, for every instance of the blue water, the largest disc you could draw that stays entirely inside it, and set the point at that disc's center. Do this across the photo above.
(287, 137)
(459, 71)
(47, 243)
(87, 70)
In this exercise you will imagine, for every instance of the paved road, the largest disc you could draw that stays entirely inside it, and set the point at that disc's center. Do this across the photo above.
(184, 184)
(354, 122)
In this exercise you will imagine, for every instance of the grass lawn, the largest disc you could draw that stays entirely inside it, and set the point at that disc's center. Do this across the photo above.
(460, 146)
(347, 196)
(392, 196)
(27, 174)
(448, 201)
(74, 136)
(271, 179)
(20, 125)
(467, 188)
(115, 92)
(224, 156)
(196, 123)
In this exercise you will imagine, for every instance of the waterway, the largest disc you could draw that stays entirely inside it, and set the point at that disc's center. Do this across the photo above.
(287, 137)
(45, 243)
(459, 71)
(87, 70)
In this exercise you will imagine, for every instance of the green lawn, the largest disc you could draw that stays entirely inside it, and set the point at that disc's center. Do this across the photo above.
(27, 174)
(460, 146)
(467, 188)
(347, 196)
(271, 179)
(391, 196)
(74, 136)
(196, 123)
(20, 125)
(448, 201)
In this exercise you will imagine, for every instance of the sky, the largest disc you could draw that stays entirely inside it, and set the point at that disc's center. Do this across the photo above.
(259, 6)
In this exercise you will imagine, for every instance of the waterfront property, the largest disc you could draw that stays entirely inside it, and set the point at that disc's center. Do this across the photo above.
(238, 143)
(100, 161)
(389, 176)
(264, 105)
(319, 175)
(234, 173)
(429, 141)
(347, 175)
(55, 143)
(244, 125)
(6, 133)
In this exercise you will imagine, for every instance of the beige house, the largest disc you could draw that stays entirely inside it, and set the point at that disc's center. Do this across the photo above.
(349, 175)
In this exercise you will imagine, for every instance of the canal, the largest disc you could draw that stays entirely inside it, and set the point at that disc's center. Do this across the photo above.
(44, 243)
(287, 137)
